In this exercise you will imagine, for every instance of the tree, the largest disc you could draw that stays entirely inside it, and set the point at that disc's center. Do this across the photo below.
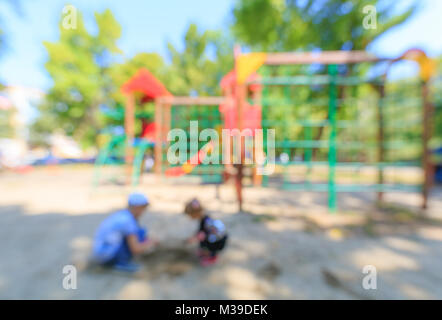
(436, 88)
(205, 59)
(276, 25)
(79, 64)
(6, 128)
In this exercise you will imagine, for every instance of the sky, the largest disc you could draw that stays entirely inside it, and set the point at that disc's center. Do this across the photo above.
(147, 25)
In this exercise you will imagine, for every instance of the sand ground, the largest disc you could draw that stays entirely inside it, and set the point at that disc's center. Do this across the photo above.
(284, 246)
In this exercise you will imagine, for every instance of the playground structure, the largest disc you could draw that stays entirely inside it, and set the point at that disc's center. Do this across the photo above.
(279, 111)
(124, 148)
(248, 117)
(304, 97)
(177, 112)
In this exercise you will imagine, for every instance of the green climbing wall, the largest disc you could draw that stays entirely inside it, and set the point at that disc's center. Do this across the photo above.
(327, 124)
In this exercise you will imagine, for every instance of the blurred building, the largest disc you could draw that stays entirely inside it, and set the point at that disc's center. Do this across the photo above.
(18, 110)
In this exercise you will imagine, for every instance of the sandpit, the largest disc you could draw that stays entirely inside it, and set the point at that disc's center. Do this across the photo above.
(278, 248)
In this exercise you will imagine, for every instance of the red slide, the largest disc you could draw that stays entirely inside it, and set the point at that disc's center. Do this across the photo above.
(191, 163)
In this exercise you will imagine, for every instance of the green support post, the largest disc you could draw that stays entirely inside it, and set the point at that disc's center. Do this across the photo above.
(332, 71)
(308, 136)
(264, 113)
(138, 162)
(285, 131)
(103, 157)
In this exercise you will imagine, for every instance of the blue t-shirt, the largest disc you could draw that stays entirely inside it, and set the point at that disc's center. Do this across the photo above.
(111, 233)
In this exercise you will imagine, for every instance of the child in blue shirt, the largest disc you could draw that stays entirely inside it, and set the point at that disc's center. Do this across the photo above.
(119, 237)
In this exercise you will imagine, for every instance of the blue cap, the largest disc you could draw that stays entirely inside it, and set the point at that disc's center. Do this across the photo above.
(137, 199)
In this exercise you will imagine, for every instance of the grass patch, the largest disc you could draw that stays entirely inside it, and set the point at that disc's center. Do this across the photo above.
(263, 218)
(398, 213)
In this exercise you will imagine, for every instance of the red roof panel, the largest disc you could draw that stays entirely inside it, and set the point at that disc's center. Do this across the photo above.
(143, 81)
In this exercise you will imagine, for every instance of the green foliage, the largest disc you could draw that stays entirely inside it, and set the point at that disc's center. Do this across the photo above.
(6, 129)
(85, 74)
(436, 93)
(194, 71)
(278, 25)
(79, 64)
